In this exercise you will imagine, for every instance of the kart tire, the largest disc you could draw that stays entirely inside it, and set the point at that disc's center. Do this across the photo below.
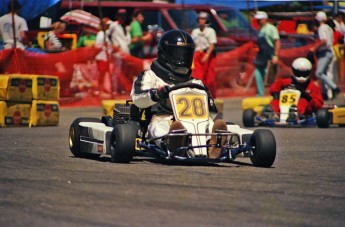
(263, 147)
(322, 118)
(123, 142)
(248, 118)
(74, 138)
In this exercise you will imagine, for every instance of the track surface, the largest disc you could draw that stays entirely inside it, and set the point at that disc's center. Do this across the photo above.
(42, 184)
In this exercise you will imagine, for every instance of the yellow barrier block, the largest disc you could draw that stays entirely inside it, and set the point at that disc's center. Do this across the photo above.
(219, 104)
(108, 106)
(252, 102)
(3, 86)
(45, 87)
(3, 111)
(44, 113)
(19, 88)
(17, 114)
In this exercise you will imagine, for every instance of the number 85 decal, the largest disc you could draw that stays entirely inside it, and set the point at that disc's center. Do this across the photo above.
(290, 98)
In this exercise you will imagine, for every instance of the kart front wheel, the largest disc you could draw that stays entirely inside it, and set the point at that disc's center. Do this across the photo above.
(322, 118)
(263, 147)
(123, 143)
(74, 138)
(248, 118)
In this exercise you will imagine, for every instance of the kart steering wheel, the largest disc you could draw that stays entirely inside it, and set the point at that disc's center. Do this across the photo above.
(163, 103)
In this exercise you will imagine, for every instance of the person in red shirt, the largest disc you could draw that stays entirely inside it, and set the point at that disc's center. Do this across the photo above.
(311, 97)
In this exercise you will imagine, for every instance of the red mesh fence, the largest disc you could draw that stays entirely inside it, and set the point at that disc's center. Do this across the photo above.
(78, 72)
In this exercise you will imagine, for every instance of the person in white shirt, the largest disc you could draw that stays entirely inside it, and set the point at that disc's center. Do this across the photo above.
(339, 23)
(119, 33)
(325, 55)
(205, 39)
(10, 21)
(103, 57)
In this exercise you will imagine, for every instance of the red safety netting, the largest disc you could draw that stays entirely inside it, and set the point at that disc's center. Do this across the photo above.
(78, 72)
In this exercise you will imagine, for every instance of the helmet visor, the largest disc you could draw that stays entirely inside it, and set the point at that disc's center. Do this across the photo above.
(180, 56)
(299, 73)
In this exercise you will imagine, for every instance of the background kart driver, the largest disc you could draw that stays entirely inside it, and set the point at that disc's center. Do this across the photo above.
(311, 97)
(172, 66)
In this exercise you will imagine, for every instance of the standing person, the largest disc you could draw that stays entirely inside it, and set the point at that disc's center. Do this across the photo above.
(119, 34)
(51, 41)
(10, 21)
(103, 57)
(339, 23)
(137, 38)
(269, 47)
(87, 39)
(205, 39)
(325, 55)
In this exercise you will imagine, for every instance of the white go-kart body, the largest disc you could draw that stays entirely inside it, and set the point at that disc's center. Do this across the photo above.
(189, 104)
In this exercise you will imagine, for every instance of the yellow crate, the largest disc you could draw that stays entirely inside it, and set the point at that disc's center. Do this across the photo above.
(44, 113)
(45, 87)
(17, 114)
(108, 106)
(3, 111)
(3, 86)
(19, 88)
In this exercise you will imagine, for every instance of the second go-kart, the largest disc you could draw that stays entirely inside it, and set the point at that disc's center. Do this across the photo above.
(124, 135)
(288, 116)
(331, 115)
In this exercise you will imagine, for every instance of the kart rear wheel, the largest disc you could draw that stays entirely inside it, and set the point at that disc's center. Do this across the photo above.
(123, 142)
(74, 138)
(263, 147)
(322, 118)
(248, 118)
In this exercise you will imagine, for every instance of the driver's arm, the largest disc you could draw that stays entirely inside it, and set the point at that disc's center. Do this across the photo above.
(142, 86)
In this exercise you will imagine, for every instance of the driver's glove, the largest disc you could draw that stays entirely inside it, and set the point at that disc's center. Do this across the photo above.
(275, 95)
(160, 93)
(305, 95)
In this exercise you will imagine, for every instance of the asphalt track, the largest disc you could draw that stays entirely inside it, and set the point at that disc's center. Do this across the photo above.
(42, 184)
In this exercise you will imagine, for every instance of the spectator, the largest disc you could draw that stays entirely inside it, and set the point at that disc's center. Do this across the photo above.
(10, 21)
(269, 47)
(51, 41)
(87, 39)
(310, 99)
(338, 39)
(119, 34)
(137, 38)
(325, 55)
(339, 23)
(103, 57)
(205, 39)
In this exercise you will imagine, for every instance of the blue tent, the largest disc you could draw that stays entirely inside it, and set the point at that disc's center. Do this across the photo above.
(238, 4)
(251, 4)
(30, 8)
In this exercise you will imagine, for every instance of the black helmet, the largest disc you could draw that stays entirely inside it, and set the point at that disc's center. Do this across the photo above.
(175, 52)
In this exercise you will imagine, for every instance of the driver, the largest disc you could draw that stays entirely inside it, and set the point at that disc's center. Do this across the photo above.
(151, 87)
(310, 99)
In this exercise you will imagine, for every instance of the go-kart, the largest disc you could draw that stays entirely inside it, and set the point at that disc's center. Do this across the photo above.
(265, 116)
(124, 135)
(330, 115)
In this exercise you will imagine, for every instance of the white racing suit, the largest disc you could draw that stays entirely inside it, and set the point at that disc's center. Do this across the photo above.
(140, 94)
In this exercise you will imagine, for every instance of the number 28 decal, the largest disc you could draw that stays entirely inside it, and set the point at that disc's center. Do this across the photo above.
(191, 107)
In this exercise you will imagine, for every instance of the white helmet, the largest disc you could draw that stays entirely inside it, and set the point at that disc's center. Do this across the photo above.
(301, 68)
